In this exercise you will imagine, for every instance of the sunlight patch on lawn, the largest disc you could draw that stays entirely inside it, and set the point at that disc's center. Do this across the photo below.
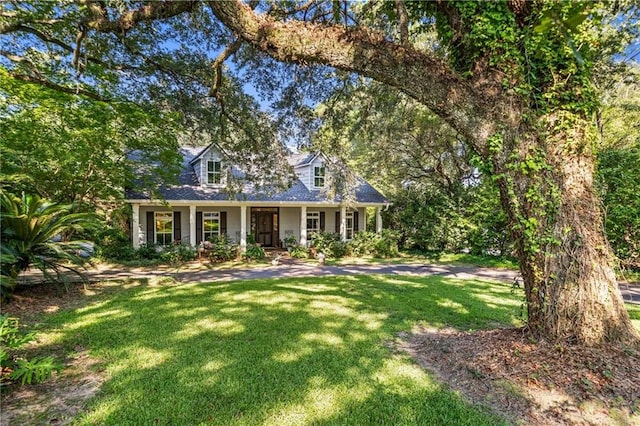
(372, 321)
(634, 314)
(226, 327)
(235, 310)
(450, 304)
(98, 317)
(399, 281)
(292, 355)
(147, 358)
(215, 365)
(315, 288)
(492, 301)
(321, 403)
(401, 377)
(139, 358)
(327, 339)
(330, 306)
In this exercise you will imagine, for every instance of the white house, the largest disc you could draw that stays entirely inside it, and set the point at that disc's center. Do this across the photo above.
(198, 208)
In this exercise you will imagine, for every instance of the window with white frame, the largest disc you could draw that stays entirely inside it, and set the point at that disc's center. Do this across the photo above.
(318, 176)
(349, 225)
(210, 225)
(164, 228)
(214, 172)
(313, 222)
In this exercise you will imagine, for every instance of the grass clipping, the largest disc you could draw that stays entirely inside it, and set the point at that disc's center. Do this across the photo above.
(533, 383)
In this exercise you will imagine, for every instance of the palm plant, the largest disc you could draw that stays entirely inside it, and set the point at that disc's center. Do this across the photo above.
(30, 228)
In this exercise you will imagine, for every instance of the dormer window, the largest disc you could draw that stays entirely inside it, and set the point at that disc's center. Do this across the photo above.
(318, 176)
(214, 172)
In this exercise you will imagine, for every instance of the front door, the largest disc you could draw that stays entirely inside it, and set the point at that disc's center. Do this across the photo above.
(264, 228)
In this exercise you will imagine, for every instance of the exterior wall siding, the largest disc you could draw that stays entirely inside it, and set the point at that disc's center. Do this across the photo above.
(289, 220)
(184, 221)
(303, 174)
(202, 166)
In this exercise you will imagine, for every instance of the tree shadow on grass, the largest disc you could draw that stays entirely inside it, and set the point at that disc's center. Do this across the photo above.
(287, 351)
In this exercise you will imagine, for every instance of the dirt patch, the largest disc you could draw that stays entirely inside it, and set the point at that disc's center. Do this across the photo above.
(64, 395)
(529, 383)
(56, 401)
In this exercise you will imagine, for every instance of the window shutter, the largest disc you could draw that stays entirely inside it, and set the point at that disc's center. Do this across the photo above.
(177, 234)
(322, 221)
(199, 233)
(356, 225)
(223, 223)
(151, 228)
(337, 222)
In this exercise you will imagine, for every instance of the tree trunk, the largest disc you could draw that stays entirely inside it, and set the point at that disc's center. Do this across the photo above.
(566, 263)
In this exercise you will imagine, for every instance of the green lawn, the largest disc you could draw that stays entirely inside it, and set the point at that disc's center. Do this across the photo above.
(444, 258)
(276, 352)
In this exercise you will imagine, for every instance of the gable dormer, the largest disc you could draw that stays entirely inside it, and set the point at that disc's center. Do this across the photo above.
(209, 167)
(312, 170)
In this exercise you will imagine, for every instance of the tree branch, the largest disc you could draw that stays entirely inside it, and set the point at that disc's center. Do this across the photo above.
(421, 75)
(98, 21)
(82, 33)
(403, 22)
(48, 39)
(217, 65)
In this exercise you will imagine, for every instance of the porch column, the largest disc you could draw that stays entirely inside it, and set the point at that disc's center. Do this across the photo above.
(303, 226)
(343, 223)
(135, 226)
(378, 220)
(364, 219)
(193, 238)
(243, 228)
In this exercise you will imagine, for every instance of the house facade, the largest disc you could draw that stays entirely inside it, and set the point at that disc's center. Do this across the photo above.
(198, 207)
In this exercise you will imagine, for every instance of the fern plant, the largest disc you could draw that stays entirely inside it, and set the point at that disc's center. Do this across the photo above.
(14, 367)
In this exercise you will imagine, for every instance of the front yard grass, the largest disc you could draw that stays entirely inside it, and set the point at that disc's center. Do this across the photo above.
(277, 352)
(405, 258)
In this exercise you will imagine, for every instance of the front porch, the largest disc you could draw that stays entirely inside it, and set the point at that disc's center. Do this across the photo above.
(268, 224)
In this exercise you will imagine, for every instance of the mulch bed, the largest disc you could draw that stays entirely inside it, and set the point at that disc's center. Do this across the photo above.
(533, 383)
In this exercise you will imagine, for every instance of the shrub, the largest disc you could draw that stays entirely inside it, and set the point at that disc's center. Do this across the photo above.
(330, 244)
(618, 176)
(177, 253)
(114, 244)
(290, 241)
(147, 252)
(254, 252)
(366, 243)
(221, 249)
(387, 244)
(299, 252)
(14, 367)
(363, 243)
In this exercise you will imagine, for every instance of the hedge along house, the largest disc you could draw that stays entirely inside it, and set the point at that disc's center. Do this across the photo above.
(198, 207)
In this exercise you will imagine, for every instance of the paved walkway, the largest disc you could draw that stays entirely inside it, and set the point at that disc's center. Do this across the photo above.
(292, 268)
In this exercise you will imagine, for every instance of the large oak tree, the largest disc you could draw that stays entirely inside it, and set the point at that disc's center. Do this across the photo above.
(512, 77)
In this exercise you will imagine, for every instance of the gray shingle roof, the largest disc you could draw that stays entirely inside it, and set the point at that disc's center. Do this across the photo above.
(189, 188)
